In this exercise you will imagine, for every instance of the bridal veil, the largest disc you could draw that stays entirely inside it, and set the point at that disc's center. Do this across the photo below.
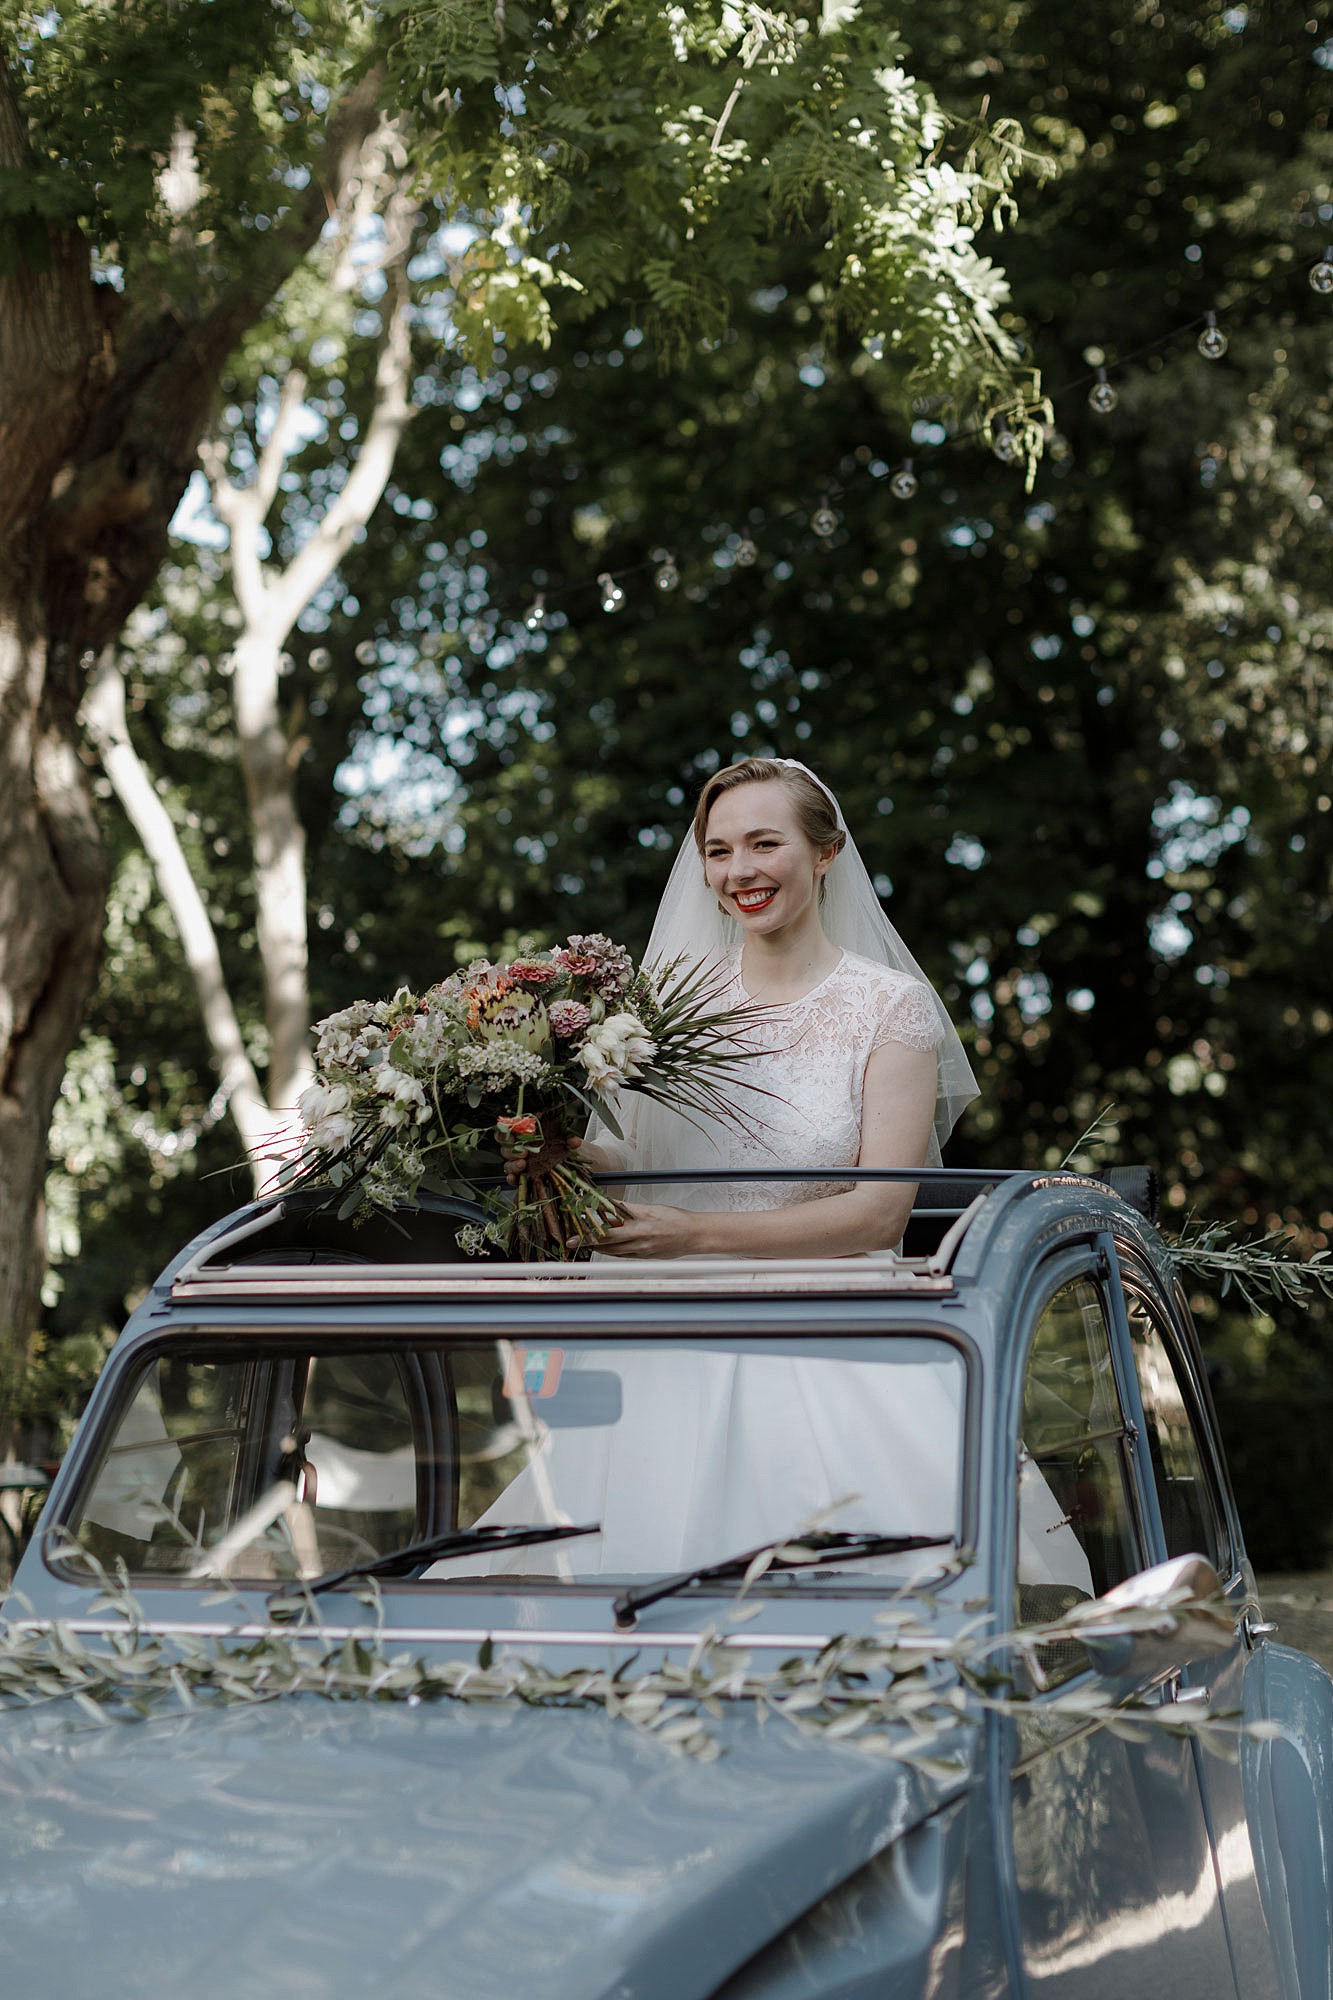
(690, 925)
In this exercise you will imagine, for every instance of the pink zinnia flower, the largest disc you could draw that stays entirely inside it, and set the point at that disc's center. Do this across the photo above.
(568, 1018)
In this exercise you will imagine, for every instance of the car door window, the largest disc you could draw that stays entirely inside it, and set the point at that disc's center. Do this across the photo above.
(1077, 1534)
(1193, 1518)
(289, 1465)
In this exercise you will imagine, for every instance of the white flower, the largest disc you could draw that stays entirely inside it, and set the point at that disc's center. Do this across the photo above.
(636, 1043)
(323, 1101)
(616, 1049)
(495, 1064)
(407, 1100)
(341, 1037)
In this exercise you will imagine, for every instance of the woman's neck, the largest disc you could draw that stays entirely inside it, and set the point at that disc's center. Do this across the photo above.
(782, 965)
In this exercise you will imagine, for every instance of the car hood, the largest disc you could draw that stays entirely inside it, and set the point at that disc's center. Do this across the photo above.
(336, 1849)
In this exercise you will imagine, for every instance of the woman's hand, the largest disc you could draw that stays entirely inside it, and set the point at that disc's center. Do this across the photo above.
(518, 1162)
(651, 1232)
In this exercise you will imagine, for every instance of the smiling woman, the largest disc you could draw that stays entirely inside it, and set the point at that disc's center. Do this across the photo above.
(859, 1063)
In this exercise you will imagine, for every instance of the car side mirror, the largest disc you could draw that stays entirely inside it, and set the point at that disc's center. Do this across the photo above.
(1159, 1621)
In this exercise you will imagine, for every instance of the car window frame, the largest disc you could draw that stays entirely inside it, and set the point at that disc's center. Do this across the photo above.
(1135, 1276)
(1059, 1265)
(127, 1367)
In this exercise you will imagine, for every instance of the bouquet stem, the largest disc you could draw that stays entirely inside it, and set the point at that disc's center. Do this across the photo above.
(558, 1210)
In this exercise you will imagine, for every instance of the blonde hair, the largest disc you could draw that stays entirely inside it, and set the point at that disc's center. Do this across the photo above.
(815, 812)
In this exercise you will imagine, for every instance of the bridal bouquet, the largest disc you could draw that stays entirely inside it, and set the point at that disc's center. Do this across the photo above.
(505, 1063)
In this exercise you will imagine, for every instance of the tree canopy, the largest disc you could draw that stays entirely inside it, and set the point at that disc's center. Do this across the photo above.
(169, 173)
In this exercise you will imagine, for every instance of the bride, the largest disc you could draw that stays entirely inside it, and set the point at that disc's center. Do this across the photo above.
(859, 1063)
(720, 1448)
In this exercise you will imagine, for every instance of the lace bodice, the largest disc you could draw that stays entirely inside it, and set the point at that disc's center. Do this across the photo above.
(814, 1065)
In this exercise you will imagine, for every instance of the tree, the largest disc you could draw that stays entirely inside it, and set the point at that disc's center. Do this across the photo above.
(165, 170)
(270, 598)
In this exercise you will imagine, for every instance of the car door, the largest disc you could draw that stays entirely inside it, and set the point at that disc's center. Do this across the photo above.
(1271, 1810)
(1113, 1877)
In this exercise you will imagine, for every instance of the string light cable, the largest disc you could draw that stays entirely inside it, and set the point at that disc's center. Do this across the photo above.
(1001, 431)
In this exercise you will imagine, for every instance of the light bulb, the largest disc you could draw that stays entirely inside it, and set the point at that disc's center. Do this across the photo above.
(1102, 396)
(613, 597)
(1005, 445)
(1212, 342)
(746, 553)
(666, 576)
(874, 346)
(1321, 274)
(904, 482)
(824, 521)
(535, 615)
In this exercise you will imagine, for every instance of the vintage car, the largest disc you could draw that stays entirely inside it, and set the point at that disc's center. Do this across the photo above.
(306, 1426)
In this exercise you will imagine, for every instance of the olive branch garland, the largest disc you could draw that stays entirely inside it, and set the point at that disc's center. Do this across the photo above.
(1214, 1254)
(900, 1693)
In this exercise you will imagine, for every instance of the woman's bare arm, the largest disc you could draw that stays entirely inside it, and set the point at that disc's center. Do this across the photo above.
(897, 1112)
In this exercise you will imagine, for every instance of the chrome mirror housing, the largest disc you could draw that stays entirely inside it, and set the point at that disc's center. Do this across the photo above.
(1159, 1621)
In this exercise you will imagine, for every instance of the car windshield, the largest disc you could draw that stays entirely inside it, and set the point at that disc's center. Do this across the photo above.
(265, 1461)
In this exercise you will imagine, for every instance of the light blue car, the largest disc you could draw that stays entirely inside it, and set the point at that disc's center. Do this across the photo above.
(561, 1467)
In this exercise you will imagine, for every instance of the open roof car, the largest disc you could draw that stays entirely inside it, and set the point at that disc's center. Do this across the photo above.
(574, 1467)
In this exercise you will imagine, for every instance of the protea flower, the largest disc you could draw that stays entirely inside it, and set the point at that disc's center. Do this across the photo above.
(504, 1012)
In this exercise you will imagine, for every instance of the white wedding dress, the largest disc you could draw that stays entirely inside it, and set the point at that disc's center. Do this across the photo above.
(717, 1452)
(799, 1102)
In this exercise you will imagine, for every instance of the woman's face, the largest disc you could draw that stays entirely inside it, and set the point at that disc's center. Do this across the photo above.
(757, 861)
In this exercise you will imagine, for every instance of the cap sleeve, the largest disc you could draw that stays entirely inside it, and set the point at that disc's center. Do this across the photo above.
(907, 1014)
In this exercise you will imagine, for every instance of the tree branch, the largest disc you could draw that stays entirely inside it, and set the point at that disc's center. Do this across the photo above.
(105, 720)
(275, 453)
(318, 557)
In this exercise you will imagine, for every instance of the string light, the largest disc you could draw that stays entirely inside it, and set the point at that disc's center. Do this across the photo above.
(535, 615)
(1004, 444)
(1212, 342)
(1103, 397)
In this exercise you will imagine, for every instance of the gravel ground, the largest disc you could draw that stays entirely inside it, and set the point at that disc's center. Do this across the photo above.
(1302, 1604)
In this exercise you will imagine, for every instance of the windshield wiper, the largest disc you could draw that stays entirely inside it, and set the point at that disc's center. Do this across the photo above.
(828, 1544)
(452, 1542)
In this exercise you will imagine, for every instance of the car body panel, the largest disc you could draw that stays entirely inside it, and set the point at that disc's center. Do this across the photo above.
(469, 1855)
(444, 1849)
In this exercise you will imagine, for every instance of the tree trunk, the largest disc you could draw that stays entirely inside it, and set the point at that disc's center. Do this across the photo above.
(52, 900)
(280, 879)
(105, 720)
(103, 401)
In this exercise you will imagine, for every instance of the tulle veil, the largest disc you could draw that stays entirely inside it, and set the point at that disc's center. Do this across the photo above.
(691, 926)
